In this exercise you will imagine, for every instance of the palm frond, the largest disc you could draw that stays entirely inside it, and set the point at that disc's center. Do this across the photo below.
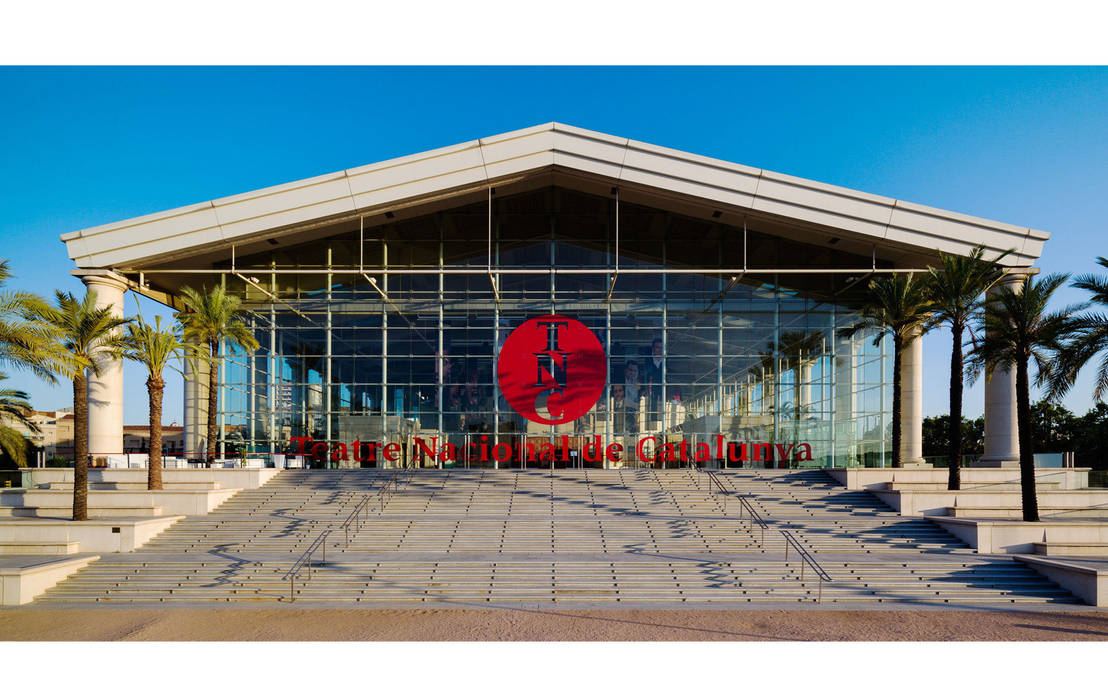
(14, 445)
(898, 304)
(957, 288)
(154, 346)
(24, 342)
(1018, 328)
(84, 334)
(15, 406)
(212, 316)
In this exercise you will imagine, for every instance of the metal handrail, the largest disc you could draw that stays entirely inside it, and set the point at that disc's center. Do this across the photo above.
(383, 494)
(306, 560)
(352, 519)
(790, 539)
(746, 508)
(396, 480)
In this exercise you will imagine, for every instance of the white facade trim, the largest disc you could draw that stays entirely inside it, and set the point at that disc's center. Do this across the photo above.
(370, 188)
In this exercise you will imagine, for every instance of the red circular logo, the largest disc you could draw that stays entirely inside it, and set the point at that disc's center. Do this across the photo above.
(552, 369)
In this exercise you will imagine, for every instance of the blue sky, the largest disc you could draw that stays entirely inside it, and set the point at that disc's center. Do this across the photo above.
(87, 146)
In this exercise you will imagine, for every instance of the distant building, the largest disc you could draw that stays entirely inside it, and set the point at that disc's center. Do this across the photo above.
(55, 431)
(136, 438)
(54, 438)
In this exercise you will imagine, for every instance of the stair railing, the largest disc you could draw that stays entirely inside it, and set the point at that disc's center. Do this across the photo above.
(305, 561)
(805, 557)
(356, 518)
(747, 508)
(397, 479)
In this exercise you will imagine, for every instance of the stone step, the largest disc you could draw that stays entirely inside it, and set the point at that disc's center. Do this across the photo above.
(130, 486)
(1076, 549)
(1016, 512)
(977, 486)
(40, 547)
(67, 512)
(597, 517)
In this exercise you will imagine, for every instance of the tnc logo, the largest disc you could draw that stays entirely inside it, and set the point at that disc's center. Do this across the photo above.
(552, 369)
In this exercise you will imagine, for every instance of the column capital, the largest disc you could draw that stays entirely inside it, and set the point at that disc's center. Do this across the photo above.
(1018, 275)
(107, 278)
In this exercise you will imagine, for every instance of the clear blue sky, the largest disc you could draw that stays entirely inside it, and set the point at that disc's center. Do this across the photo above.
(87, 146)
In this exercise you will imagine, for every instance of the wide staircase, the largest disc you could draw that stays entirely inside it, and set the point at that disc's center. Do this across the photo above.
(573, 538)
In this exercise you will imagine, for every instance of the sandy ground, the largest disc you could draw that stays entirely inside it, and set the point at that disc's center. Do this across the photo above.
(548, 625)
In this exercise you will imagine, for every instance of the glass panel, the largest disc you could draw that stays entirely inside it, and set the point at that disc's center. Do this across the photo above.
(755, 359)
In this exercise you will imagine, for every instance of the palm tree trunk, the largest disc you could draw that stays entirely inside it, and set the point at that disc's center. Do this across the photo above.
(213, 396)
(155, 387)
(1027, 444)
(898, 348)
(954, 434)
(80, 446)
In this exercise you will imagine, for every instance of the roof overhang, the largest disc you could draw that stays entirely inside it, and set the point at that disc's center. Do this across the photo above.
(418, 181)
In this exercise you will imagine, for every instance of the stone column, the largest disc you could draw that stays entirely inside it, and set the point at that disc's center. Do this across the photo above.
(105, 390)
(845, 425)
(804, 397)
(1002, 446)
(911, 402)
(196, 408)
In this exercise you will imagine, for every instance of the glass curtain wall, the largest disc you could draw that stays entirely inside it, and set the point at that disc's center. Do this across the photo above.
(411, 353)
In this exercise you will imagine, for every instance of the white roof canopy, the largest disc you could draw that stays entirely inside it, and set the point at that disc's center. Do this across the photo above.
(413, 181)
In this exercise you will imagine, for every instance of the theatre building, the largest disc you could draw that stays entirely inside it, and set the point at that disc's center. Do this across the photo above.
(549, 297)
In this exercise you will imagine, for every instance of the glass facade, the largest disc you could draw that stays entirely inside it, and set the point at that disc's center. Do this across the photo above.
(695, 348)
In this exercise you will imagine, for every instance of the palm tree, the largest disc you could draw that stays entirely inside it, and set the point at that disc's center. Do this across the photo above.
(1089, 340)
(83, 334)
(24, 343)
(154, 347)
(14, 408)
(1018, 329)
(957, 291)
(209, 318)
(900, 306)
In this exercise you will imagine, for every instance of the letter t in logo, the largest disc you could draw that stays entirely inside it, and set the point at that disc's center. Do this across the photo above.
(552, 334)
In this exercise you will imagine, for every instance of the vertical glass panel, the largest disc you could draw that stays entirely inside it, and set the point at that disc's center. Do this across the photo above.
(693, 352)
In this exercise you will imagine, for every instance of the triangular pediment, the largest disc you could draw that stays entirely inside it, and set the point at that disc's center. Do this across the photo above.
(548, 154)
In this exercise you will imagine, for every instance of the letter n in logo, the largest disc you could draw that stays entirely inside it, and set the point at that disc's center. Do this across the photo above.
(552, 369)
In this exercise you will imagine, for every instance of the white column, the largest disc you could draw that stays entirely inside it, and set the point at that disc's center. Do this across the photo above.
(105, 390)
(845, 425)
(196, 408)
(804, 397)
(911, 402)
(1002, 447)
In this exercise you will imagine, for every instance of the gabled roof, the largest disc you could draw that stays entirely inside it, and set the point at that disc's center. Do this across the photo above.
(373, 189)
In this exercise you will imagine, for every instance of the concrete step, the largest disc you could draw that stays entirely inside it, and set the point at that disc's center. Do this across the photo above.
(67, 512)
(595, 519)
(130, 486)
(986, 486)
(1016, 512)
(1076, 549)
(40, 547)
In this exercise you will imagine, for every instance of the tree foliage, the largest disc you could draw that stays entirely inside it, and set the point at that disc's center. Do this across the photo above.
(83, 336)
(899, 306)
(211, 317)
(1018, 330)
(958, 289)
